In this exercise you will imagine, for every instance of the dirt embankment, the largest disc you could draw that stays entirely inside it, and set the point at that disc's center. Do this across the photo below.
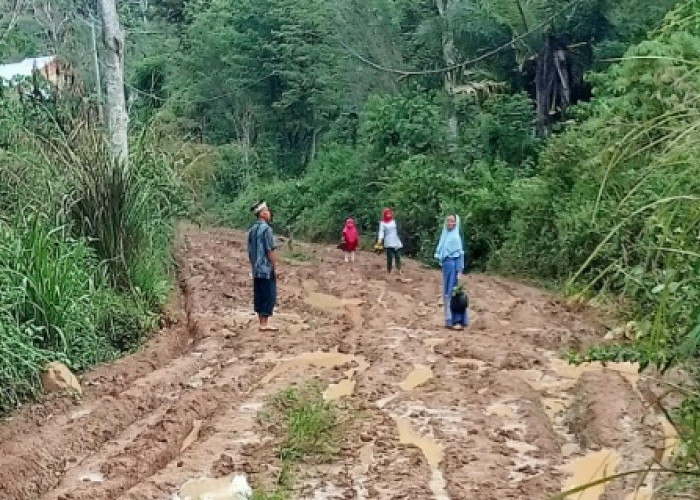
(488, 413)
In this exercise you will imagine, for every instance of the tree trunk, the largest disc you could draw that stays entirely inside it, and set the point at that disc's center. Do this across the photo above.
(450, 77)
(98, 79)
(117, 117)
(314, 138)
(553, 83)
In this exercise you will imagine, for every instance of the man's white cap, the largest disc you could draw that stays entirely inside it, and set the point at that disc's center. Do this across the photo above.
(258, 207)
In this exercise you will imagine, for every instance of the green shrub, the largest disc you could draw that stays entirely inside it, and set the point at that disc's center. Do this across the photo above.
(398, 127)
(616, 205)
(499, 129)
(124, 320)
(315, 206)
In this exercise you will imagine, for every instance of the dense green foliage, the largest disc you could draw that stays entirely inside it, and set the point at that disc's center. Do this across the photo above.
(336, 110)
(608, 206)
(618, 196)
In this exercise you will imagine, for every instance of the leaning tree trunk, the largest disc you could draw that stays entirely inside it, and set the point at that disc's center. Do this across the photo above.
(117, 117)
(553, 80)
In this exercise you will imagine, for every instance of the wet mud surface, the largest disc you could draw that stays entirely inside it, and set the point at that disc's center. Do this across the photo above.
(491, 412)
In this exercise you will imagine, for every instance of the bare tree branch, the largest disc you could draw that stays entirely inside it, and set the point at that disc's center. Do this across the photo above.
(9, 19)
(53, 17)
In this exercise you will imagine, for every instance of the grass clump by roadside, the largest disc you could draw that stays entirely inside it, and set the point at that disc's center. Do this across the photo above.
(307, 431)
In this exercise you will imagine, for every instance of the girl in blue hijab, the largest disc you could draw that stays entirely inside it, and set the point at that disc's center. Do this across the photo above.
(450, 255)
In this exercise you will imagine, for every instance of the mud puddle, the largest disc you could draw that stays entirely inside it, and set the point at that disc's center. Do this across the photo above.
(342, 389)
(417, 377)
(432, 451)
(588, 469)
(318, 359)
(224, 488)
(502, 409)
(366, 458)
(325, 302)
(330, 303)
(359, 472)
(671, 441)
(93, 477)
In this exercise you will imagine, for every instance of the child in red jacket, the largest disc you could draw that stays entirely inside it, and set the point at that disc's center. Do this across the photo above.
(351, 239)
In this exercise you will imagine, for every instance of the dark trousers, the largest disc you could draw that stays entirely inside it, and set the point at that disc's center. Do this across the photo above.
(393, 254)
(264, 295)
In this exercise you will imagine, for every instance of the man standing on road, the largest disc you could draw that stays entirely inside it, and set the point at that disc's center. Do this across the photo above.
(261, 253)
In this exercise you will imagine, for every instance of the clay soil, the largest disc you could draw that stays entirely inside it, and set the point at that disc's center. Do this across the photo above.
(491, 412)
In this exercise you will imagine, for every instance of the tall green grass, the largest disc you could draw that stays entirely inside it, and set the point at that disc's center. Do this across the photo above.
(52, 276)
(85, 246)
(20, 362)
(49, 304)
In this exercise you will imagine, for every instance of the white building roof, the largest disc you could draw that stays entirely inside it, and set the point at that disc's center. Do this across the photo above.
(24, 68)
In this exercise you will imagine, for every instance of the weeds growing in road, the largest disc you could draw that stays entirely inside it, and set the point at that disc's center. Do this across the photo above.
(310, 424)
(277, 494)
(307, 429)
(297, 255)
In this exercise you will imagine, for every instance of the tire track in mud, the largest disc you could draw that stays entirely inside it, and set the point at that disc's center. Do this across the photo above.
(488, 413)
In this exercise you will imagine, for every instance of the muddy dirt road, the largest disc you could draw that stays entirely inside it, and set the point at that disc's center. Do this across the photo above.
(487, 413)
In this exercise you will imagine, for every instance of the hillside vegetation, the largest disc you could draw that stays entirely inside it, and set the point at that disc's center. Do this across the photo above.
(564, 134)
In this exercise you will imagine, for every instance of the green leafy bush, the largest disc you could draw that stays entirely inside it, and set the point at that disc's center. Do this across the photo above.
(616, 205)
(397, 127)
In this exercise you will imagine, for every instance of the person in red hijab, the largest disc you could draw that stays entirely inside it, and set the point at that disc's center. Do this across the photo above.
(388, 239)
(351, 239)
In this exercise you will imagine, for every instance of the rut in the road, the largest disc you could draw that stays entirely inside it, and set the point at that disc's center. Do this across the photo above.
(488, 413)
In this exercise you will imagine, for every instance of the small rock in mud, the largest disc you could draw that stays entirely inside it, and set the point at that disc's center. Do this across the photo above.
(57, 377)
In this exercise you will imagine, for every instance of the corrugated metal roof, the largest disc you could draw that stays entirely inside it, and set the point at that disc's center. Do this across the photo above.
(24, 68)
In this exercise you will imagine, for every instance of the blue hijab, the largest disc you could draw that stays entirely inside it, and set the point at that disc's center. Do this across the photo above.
(450, 244)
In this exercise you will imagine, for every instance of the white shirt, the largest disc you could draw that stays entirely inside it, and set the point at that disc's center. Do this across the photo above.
(390, 234)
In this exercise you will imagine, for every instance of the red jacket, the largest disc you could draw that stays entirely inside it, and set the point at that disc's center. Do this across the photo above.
(351, 237)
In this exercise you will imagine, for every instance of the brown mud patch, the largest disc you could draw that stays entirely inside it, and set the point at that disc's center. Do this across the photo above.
(488, 413)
